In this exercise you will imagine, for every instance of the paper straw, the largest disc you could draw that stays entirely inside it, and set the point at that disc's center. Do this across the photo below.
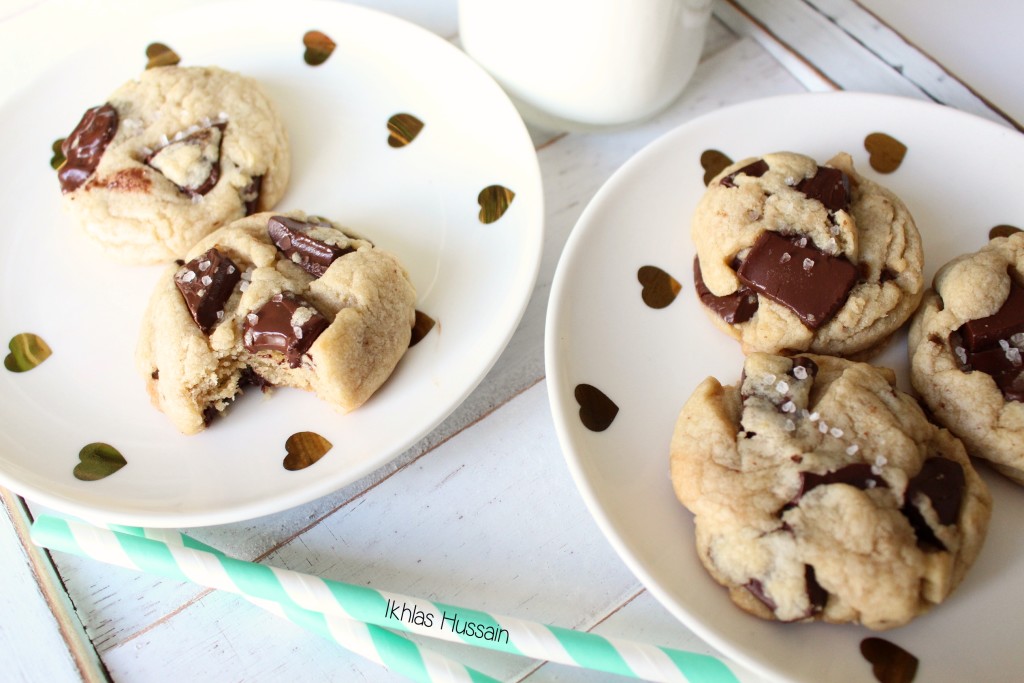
(390, 610)
(390, 650)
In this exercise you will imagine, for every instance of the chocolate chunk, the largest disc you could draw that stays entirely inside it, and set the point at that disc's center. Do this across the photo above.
(191, 161)
(816, 595)
(858, 475)
(993, 345)
(285, 324)
(986, 332)
(755, 169)
(735, 308)
(756, 589)
(942, 481)
(251, 195)
(809, 282)
(312, 255)
(206, 282)
(251, 378)
(830, 186)
(84, 148)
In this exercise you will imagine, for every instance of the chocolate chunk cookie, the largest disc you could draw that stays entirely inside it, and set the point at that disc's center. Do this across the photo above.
(966, 343)
(274, 300)
(170, 157)
(821, 492)
(794, 256)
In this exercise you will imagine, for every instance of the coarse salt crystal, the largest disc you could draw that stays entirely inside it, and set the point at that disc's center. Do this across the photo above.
(201, 293)
(822, 427)
(1004, 345)
(231, 269)
(252, 318)
(834, 229)
(852, 448)
(782, 387)
(961, 355)
(836, 432)
(1013, 355)
(1017, 339)
(802, 242)
(789, 407)
(298, 331)
(189, 276)
(204, 266)
(790, 426)
(206, 280)
(800, 372)
(881, 461)
(808, 264)
(243, 286)
(785, 257)
(770, 378)
(814, 416)
(220, 315)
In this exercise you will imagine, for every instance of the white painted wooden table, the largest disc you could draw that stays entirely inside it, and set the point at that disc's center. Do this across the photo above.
(482, 512)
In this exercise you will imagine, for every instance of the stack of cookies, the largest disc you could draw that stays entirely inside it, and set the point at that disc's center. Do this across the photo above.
(820, 491)
(183, 165)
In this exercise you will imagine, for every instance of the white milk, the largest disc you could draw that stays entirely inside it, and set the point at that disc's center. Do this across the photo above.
(586, 63)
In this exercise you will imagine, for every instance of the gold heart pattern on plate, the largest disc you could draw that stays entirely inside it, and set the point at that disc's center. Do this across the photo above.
(98, 461)
(304, 449)
(27, 351)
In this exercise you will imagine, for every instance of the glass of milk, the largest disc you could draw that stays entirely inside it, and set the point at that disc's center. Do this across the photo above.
(586, 64)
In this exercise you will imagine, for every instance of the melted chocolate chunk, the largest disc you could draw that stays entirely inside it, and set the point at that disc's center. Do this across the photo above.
(285, 324)
(206, 282)
(858, 475)
(310, 254)
(251, 378)
(756, 589)
(942, 482)
(755, 169)
(816, 595)
(191, 162)
(251, 195)
(809, 282)
(985, 345)
(986, 332)
(735, 308)
(830, 186)
(84, 148)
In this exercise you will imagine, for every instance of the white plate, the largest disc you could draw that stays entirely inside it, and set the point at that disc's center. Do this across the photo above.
(961, 176)
(418, 201)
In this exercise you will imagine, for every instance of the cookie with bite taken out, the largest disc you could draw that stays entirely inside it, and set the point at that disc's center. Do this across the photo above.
(274, 300)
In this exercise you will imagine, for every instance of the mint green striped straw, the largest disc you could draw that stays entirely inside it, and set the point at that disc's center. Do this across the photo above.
(389, 610)
(391, 650)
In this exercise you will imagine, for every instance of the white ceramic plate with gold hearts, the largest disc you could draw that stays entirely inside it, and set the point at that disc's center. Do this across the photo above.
(960, 178)
(473, 273)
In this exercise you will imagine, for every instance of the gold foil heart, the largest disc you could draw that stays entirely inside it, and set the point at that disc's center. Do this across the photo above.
(659, 288)
(304, 449)
(58, 159)
(27, 351)
(713, 162)
(403, 129)
(421, 328)
(1003, 230)
(97, 461)
(494, 201)
(597, 411)
(159, 54)
(318, 47)
(885, 152)
(890, 663)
